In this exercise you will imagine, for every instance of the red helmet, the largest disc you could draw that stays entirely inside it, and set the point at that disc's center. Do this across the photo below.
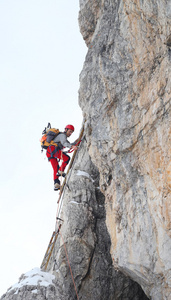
(69, 127)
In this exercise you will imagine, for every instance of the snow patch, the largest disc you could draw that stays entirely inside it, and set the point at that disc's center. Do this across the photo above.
(85, 174)
(34, 277)
(74, 202)
(15, 292)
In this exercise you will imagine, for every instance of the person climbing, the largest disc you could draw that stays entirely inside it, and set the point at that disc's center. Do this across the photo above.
(54, 153)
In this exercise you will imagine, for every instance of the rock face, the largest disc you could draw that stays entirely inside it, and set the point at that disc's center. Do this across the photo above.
(115, 241)
(87, 241)
(125, 98)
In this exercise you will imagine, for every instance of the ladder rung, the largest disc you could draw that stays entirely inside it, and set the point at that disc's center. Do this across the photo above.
(42, 265)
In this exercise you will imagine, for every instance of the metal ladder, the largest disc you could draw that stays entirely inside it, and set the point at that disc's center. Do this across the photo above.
(56, 233)
(50, 249)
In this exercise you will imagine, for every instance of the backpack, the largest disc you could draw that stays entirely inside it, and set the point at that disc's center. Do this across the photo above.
(48, 135)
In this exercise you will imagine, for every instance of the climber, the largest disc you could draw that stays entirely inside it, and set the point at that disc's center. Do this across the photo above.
(55, 153)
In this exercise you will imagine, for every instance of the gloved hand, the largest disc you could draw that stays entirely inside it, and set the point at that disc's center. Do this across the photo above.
(74, 147)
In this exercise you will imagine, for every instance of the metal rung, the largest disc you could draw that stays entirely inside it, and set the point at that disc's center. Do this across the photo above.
(42, 265)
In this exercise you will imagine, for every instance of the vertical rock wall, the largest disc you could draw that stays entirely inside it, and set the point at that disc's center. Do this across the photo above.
(125, 97)
(84, 242)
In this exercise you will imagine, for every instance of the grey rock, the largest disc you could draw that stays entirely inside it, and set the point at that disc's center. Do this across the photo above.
(125, 97)
(85, 237)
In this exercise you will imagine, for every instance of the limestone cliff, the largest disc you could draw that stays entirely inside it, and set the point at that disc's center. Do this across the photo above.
(125, 98)
(115, 238)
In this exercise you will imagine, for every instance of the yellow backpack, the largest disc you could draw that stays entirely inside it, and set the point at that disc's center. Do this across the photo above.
(48, 135)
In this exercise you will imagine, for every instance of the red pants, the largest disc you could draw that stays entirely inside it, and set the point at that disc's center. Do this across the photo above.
(53, 158)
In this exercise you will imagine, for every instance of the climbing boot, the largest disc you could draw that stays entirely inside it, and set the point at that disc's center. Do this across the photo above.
(60, 173)
(56, 185)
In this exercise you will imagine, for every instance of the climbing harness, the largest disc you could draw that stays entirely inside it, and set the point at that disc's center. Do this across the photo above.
(56, 149)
